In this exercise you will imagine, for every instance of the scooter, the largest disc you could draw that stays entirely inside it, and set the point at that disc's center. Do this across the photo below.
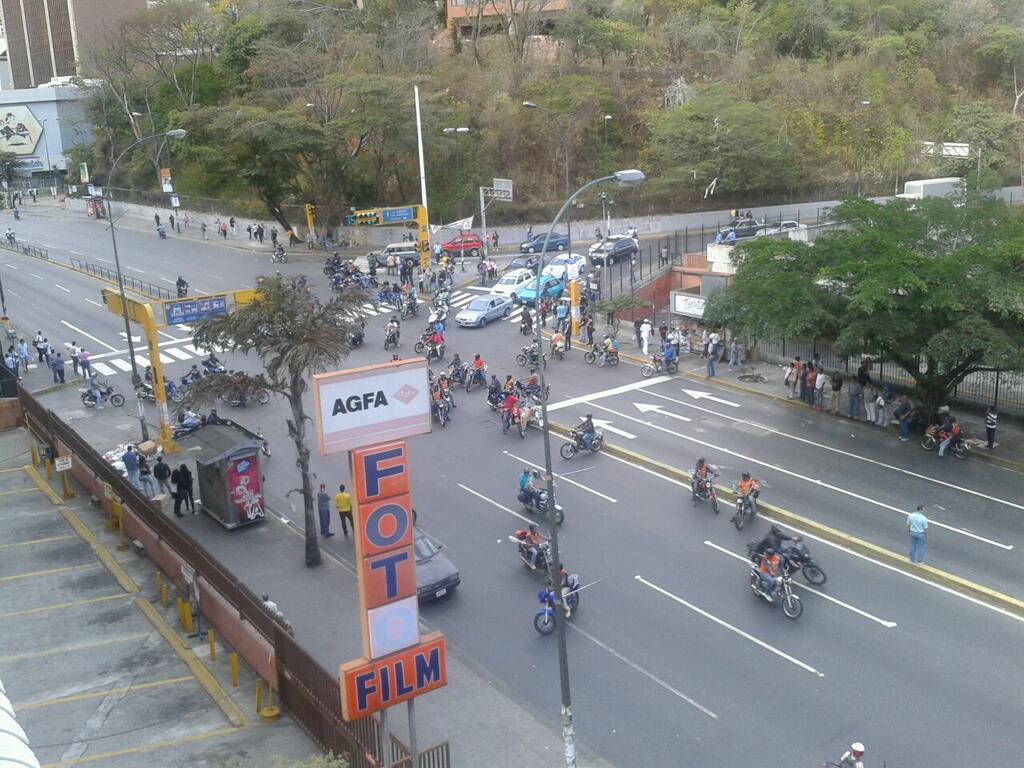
(539, 505)
(544, 620)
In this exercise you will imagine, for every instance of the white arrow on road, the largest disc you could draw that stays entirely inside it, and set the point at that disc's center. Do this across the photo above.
(647, 408)
(135, 339)
(697, 394)
(607, 427)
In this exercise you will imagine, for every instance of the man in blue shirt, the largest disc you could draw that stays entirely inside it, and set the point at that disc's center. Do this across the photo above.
(130, 459)
(917, 524)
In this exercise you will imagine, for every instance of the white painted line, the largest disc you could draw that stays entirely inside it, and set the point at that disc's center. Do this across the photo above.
(135, 269)
(175, 352)
(37, 277)
(561, 477)
(184, 327)
(88, 336)
(104, 369)
(698, 394)
(94, 303)
(172, 282)
(168, 336)
(607, 427)
(166, 359)
(841, 452)
(12, 267)
(142, 362)
(812, 480)
(730, 627)
(462, 300)
(18, 295)
(648, 408)
(502, 507)
(637, 668)
(481, 288)
(191, 348)
(847, 606)
(117, 362)
(608, 393)
(66, 290)
(648, 471)
(105, 261)
(77, 253)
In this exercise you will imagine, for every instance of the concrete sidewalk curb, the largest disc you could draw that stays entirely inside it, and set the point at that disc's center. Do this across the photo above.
(899, 562)
(42, 485)
(101, 552)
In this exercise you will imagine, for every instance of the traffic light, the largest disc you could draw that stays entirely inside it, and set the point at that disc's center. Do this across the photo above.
(368, 217)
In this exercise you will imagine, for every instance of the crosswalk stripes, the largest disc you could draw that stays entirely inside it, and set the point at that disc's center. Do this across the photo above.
(104, 370)
(175, 352)
(124, 365)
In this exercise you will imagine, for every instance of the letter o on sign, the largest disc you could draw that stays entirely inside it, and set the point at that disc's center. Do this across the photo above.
(386, 525)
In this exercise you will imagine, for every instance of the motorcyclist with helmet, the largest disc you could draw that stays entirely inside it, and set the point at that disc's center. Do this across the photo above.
(557, 342)
(531, 384)
(508, 407)
(770, 571)
(609, 348)
(494, 390)
(434, 343)
(527, 489)
(585, 430)
(533, 540)
(772, 540)
(700, 476)
(852, 757)
(749, 489)
(563, 582)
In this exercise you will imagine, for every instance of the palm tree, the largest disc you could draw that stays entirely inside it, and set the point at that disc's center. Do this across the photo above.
(294, 336)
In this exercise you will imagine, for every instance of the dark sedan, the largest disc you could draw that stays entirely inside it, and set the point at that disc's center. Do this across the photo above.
(435, 574)
(522, 262)
(536, 243)
(613, 249)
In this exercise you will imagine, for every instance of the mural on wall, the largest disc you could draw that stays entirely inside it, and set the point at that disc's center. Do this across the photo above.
(19, 130)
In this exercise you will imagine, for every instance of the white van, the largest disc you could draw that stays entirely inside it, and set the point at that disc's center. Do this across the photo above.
(401, 252)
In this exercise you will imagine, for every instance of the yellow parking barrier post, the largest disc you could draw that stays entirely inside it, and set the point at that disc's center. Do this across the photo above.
(187, 607)
(65, 487)
(233, 659)
(48, 465)
(163, 596)
(181, 613)
(119, 512)
(259, 695)
(270, 712)
(213, 649)
(35, 455)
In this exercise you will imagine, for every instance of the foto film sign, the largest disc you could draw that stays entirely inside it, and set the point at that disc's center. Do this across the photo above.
(375, 404)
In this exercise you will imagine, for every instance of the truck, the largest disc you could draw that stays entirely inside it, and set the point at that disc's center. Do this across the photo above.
(945, 187)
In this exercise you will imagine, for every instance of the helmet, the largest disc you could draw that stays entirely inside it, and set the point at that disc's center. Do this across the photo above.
(700, 462)
(769, 552)
(857, 749)
(590, 415)
(526, 470)
(746, 475)
(476, 357)
(533, 528)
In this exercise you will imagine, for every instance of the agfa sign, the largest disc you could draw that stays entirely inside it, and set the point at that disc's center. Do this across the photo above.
(363, 406)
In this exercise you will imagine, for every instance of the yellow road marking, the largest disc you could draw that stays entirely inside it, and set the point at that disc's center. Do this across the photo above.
(101, 552)
(49, 572)
(41, 484)
(202, 674)
(13, 469)
(167, 744)
(22, 490)
(59, 606)
(37, 541)
(105, 692)
(75, 648)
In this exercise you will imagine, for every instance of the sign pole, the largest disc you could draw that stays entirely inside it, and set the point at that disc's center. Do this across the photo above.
(148, 324)
(483, 223)
(385, 739)
(413, 751)
(424, 252)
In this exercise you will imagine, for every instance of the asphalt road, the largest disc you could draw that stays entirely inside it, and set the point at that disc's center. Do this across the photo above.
(673, 661)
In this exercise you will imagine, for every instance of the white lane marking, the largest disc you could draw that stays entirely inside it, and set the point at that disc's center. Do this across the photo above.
(562, 477)
(117, 362)
(105, 261)
(88, 335)
(648, 408)
(168, 336)
(135, 339)
(166, 359)
(875, 462)
(462, 300)
(847, 606)
(47, 245)
(18, 295)
(135, 269)
(37, 277)
(184, 327)
(502, 507)
(481, 288)
(607, 427)
(636, 667)
(191, 348)
(142, 362)
(730, 627)
(648, 471)
(607, 393)
(175, 352)
(516, 316)
(812, 480)
(66, 290)
(698, 394)
(104, 369)
(12, 267)
(94, 303)
(172, 282)
(77, 253)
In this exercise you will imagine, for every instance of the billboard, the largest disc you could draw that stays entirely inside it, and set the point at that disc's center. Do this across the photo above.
(19, 131)
(362, 406)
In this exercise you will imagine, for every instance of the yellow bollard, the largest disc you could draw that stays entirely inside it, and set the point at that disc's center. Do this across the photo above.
(188, 617)
(159, 585)
(270, 712)
(66, 487)
(213, 649)
(233, 659)
(35, 454)
(181, 613)
(259, 694)
(49, 468)
(121, 546)
(163, 597)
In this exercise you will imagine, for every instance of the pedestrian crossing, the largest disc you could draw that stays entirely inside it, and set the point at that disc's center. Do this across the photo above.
(457, 301)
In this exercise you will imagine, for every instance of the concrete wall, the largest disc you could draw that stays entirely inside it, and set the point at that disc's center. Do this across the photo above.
(10, 414)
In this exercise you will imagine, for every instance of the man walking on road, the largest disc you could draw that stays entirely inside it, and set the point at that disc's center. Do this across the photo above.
(343, 503)
(645, 336)
(38, 344)
(323, 507)
(58, 369)
(74, 352)
(991, 418)
(917, 524)
(714, 350)
(83, 361)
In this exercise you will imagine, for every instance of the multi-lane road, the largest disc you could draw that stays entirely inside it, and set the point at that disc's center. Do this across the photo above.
(673, 661)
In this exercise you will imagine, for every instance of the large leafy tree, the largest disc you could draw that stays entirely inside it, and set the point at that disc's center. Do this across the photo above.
(937, 289)
(294, 337)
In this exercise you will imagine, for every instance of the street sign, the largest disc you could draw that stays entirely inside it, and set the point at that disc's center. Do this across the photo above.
(393, 215)
(687, 304)
(62, 463)
(497, 194)
(191, 310)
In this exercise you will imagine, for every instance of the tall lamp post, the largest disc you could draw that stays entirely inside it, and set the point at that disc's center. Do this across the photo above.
(624, 178)
(176, 133)
(860, 148)
(456, 133)
(563, 125)
(606, 211)
(46, 148)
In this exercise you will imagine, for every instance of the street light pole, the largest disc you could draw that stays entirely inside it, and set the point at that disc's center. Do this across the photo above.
(46, 147)
(860, 150)
(606, 212)
(630, 177)
(176, 133)
(563, 126)
(457, 132)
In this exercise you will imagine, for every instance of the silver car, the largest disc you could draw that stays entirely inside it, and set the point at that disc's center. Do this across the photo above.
(481, 310)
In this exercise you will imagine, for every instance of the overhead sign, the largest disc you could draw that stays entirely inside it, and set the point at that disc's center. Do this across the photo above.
(393, 215)
(362, 406)
(371, 686)
(688, 304)
(191, 310)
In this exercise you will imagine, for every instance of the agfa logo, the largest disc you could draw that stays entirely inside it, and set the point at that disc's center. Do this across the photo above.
(363, 402)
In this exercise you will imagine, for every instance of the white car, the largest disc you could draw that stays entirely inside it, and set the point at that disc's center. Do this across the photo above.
(780, 228)
(566, 267)
(512, 282)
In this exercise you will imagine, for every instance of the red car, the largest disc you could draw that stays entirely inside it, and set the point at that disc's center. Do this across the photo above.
(467, 243)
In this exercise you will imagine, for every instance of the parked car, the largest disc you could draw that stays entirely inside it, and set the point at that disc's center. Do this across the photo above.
(481, 310)
(536, 244)
(550, 286)
(467, 243)
(566, 267)
(746, 228)
(612, 249)
(400, 251)
(436, 576)
(780, 228)
(522, 262)
(511, 283)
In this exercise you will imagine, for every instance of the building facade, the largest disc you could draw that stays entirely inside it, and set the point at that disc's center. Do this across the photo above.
(40, 125)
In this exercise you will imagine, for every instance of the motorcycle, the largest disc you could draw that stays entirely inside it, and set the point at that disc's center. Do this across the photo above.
(494, 400)
(433, 353)
(958, 445)
(571, 448)
(331, 267)
(391, 338)
(441, 298)
(705, 490)
(357, 337)
(441, 407)
(543, 552)
(530, 413)
(261, 396)
(544, 620)
(437, 315)
(791, 605)
(558, 350)
(476, 376)
(458, 372)
(279, 256)
(796, 555)
(173, 393)
(591, 356)
(535, 394)
(744, 510)
(530, 355)
(107, 391)
(539, 506)
(515, 418)
(659, 366)
(212, 366)
(411, 308)
(525, 326)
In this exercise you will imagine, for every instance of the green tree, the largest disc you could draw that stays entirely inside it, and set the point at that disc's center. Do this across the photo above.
(294, 337)
(938, 290)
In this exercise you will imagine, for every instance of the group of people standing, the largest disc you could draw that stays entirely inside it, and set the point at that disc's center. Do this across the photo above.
(176, 483)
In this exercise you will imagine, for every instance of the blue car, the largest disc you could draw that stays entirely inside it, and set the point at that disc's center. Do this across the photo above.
(536, 243)
(550, 286)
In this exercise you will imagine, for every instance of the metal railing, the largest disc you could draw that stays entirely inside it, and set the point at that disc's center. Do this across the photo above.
(20, 246)
(310, 692)
(130, 283)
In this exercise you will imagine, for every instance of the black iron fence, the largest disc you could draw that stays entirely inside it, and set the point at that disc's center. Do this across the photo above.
(310, 692)
(20, 246)
(130, 283)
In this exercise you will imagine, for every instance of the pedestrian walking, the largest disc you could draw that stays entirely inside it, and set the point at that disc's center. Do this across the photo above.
(273, 236)
(917, 525)
(202, 228)
(343, 503)
(162, 475)
(185, 489)
(130, 459)
(636, 333)
(37, 342)
(175, 492)
(11, 361)
(156, 218)
(170, 220)
(645, 336)
(836, 392)
(632, 270)
(870, 398)
(714, 350)
(58, 369)
(793, 376)
(146, 477)
(323, 506)
(991, 417)
(481, 269)
(881, 408)
(23, 353)
(734, 354)
(234, 230)
(819, 390)
(248, 230)
(84, 364)
(561, 316)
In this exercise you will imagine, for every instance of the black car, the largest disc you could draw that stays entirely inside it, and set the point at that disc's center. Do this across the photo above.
(435, 574)
(613, 249)
(745, 228)
(522, 262)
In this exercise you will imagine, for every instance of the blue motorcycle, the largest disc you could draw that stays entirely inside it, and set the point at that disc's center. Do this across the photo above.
(544, 621)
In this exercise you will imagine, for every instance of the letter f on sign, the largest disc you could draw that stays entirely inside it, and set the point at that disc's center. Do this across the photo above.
(373, 472)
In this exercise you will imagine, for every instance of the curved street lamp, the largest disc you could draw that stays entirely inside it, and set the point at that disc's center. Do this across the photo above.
(627, 178)
(175, 133)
